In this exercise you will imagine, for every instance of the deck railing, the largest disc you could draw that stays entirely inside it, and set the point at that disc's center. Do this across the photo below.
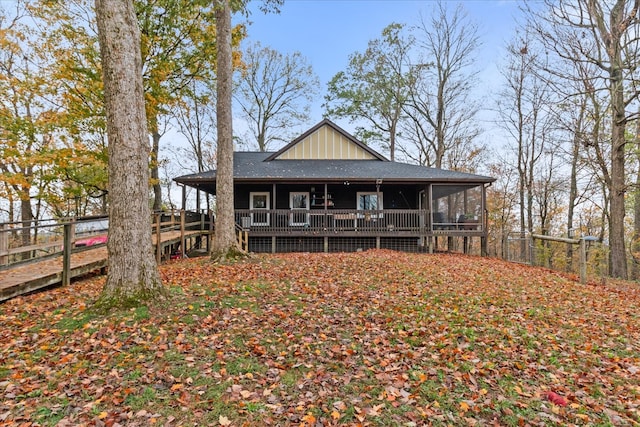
(410, 222)
(20, 243)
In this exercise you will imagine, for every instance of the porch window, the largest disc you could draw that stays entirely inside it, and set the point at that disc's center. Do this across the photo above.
(370, 201)
(299, 204)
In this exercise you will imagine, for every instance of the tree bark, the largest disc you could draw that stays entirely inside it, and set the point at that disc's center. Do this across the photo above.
(635, 241)
(225, 238)
(573, 178)
(133, 272)
(26, 216)
(613, 39)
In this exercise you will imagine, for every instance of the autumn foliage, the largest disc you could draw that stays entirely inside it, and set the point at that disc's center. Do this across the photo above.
(376, 338)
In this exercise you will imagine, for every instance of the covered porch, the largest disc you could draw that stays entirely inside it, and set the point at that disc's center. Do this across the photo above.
(352, 215)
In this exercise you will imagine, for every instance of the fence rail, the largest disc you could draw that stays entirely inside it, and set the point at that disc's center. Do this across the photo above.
(23, 243)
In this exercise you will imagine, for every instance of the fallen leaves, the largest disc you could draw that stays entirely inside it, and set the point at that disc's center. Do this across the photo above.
(371, 338)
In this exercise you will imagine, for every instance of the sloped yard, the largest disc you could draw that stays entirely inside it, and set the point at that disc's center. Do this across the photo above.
(373, 338)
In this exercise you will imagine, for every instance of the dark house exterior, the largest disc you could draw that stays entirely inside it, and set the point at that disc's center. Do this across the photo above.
(327, 191)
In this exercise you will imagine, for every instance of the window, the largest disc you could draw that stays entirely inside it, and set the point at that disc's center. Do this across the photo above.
(369, 202)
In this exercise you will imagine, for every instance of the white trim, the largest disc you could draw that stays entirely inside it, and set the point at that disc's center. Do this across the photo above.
(298, 213)
(252, 195)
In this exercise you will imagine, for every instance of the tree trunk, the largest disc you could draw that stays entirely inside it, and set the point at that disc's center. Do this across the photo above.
(617, 212)
(612, 31)
(133, 272)
(26, 216)
(618, 129)
(573, 182)
(635, 242)
(225, 238)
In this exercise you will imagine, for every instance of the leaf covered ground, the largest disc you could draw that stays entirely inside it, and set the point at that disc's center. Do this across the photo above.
(376, 338)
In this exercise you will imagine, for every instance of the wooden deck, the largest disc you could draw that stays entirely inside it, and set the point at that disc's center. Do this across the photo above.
(38, 274)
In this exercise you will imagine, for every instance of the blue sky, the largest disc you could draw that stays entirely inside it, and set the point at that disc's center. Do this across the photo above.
(326, 32)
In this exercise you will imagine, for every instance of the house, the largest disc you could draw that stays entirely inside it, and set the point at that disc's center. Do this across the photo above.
(327, 191)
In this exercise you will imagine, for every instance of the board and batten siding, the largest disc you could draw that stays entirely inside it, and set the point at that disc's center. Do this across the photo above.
(326, 144)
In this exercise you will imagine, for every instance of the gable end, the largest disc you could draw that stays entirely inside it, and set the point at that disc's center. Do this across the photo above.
(326, 141)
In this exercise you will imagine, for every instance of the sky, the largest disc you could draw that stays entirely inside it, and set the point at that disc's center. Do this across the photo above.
(326, 32)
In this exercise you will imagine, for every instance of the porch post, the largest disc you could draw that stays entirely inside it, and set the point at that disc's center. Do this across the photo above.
(465, 204)
(451, 219)
(274, 219)
(485, 223)
(429, 207)
(184, 197)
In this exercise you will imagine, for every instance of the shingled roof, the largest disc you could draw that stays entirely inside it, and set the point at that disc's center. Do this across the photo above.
(254, 167)
(326, 153)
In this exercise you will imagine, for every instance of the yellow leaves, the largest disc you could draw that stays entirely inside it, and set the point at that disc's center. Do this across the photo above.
(309, 418)
(224, 421)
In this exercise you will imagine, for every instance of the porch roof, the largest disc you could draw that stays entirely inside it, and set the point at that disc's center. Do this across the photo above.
(254, 167)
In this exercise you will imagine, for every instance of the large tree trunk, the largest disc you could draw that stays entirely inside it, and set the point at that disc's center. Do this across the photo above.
(225, 238)
(618, 185)
(133, 273)
(618, 20)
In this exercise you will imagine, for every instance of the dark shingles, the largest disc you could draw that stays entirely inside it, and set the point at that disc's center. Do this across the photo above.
(250, 166)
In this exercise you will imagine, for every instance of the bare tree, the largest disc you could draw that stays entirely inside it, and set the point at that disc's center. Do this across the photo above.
(195, 118)
(440, 108)
(502, 198)
(522, 106)
(275, 92)
(606, 35)
(133, 273)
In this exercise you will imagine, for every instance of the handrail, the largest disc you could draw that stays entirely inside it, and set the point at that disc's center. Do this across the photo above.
(50, 234)
(242, 237)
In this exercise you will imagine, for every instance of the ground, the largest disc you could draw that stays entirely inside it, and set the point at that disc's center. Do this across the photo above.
(375, 338)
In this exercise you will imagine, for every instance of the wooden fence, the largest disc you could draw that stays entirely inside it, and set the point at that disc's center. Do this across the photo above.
(582, 258)
(51, 238)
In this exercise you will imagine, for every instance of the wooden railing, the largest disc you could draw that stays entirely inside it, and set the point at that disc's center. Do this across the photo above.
(21, 244)
(350, 221)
